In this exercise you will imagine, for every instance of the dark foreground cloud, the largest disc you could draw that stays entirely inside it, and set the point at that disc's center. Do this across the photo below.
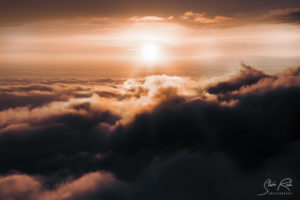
(247, 76)
(203, 146)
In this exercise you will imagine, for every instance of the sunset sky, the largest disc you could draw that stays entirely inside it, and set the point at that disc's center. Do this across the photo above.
(154, 100)
(100, 34)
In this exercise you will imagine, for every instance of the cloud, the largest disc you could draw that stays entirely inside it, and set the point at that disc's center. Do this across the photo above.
(277, 16)
(202, 19)
(252, 81)
(288, 15)
(185, 137)
(247, 76)
(12, 101)
(188, 175)
(17, 11)
(35, 93)
(19, 186)
(147, 19)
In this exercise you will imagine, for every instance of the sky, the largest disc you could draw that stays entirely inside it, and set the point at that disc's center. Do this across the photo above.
(107, 36)
(155, 100)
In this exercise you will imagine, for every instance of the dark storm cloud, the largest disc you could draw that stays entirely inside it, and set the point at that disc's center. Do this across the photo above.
(183, 148)
(18, 11)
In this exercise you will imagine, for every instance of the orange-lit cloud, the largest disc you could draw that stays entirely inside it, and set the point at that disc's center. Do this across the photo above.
(132, 133)
(120, 101)
(27, 187)
(202, 19)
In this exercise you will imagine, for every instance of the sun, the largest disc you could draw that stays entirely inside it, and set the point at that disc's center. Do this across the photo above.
(150, 52)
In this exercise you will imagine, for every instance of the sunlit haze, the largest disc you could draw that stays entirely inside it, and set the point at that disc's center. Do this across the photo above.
(150, 52)
(175, 42)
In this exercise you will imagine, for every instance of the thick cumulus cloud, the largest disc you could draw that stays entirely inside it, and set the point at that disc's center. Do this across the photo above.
(246, 77)
(252, 81)
(155, 137)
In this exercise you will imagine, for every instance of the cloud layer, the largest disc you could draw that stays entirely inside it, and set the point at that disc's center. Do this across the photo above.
(156, 137)
(17, 10)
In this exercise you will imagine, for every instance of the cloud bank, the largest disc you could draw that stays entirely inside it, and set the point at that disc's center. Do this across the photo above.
(155, 137)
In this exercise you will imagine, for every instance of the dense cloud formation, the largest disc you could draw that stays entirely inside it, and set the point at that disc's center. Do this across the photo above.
(157, 137)
(247, 76)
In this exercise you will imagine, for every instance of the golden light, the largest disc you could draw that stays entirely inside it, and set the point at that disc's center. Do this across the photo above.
(150, 52)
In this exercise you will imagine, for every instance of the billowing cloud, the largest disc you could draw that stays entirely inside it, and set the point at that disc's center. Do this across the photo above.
(157, 137)
(246, 77)
(252, 81)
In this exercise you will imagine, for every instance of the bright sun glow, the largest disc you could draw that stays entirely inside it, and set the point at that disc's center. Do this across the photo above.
(150, 52)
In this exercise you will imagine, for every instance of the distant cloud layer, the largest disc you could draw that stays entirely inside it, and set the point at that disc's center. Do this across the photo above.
(17, 12)
(157, 137)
